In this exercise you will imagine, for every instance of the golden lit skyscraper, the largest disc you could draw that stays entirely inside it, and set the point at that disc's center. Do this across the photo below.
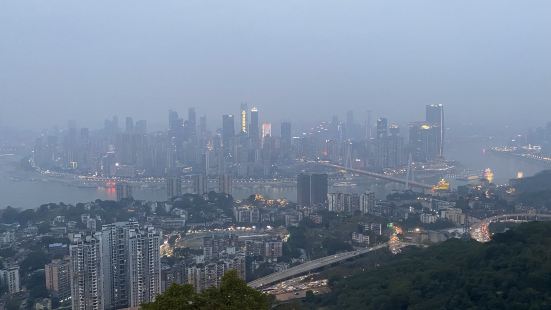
(243, 118)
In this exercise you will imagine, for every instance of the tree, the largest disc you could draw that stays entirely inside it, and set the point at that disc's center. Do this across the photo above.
(233, 294)
(177, 297)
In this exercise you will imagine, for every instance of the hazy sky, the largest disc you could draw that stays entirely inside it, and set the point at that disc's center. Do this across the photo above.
(488, 61)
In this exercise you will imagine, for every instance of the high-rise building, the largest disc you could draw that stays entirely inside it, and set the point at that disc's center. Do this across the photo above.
(141, 127)
(200, 184)
(243, 114)
(266, 131)
(58, 280)
(228, 130)
(173, 120)
(129, 128)
(124, 191)
(254, 128)
(173, 186)
(367, 202)
(381, 159)
(87, 291)
(435, 118)
(144, 262)
(312, 189)
(286, 134)
(423, 141)
(395, 144)
(303, 189)
(203, 276)
(9, 278)
(131, 264)
(225, 184)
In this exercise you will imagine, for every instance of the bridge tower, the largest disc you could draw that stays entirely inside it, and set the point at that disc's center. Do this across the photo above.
(410, 173)
(348, 155)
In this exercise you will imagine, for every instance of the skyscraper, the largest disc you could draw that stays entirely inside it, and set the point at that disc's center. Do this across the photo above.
(225, 184)
(173, 186)
(124, 191)
(435, 117)
(86, 272)
(381, 160)
(243, 113)
(266, 131)
(200, 184)
(286, 134)
(312, 189)
(254, 129)
(131, 264)
(228, 130)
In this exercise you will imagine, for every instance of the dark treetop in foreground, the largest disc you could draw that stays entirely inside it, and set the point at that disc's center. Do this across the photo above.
(233, 294)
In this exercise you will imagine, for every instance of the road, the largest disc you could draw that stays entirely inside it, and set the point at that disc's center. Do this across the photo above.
(481, 232)
(310, 266)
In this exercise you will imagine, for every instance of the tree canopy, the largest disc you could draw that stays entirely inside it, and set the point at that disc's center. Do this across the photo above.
(233, 294)
(510, 272)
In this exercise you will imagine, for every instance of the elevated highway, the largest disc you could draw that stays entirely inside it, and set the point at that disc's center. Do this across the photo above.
(310, 266)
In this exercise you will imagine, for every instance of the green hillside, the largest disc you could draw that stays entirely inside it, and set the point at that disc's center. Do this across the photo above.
(511, 272)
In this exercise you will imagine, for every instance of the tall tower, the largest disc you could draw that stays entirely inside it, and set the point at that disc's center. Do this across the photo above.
(131, 264)
(86, 272)
(435, 117)
(243, 114)
(254, 128)
(228, 130)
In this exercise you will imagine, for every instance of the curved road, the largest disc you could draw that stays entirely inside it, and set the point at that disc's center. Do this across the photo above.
(481, 233)
(311, 265)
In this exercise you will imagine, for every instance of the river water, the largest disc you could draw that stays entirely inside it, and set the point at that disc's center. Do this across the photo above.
(28, 190)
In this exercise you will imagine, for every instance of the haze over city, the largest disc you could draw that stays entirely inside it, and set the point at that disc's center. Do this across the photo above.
(487, 61)
(286, 155)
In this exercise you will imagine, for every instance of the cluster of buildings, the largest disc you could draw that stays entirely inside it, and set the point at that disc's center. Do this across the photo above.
(114, 268)
(242, 147)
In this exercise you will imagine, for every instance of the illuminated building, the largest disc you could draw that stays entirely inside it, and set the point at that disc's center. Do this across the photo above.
(243, 124)
(442, 185)
(423, 141)
(488, 175)
(266, 131)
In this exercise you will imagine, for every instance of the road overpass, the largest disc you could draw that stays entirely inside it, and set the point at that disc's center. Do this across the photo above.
(381, 176)
(310, 266)
(481, 233)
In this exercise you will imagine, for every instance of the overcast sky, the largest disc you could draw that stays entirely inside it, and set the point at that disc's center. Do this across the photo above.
(488, 61)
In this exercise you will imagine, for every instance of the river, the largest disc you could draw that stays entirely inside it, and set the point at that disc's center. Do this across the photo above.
(24, 189)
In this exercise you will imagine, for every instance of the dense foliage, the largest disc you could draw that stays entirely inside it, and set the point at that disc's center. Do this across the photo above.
(233, 294)
(513, 271)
